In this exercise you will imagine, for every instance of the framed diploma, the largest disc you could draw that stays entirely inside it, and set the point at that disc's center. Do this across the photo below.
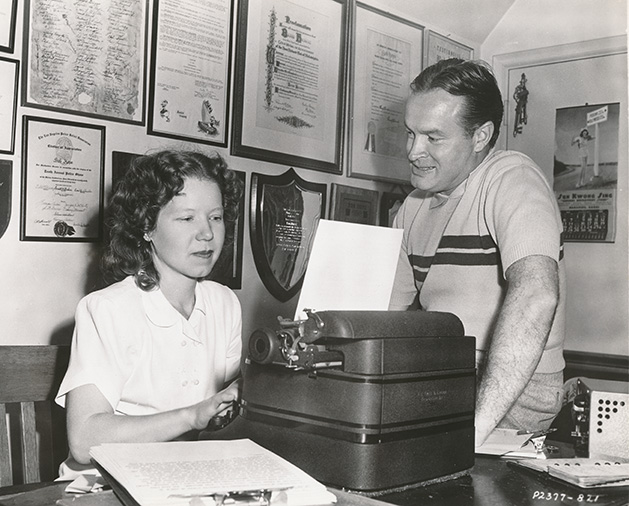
(9, 71)
(290, 77)
(190, 71)
(62, 180)
(86, 57)
(387, 56)
(8, 16)
(355, 205)
(285, 211)
(439, 47)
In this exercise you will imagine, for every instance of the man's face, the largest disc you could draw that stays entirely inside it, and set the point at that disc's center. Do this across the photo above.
(440, 151)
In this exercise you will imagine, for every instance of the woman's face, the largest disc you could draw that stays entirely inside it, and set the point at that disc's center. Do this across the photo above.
(189, 232)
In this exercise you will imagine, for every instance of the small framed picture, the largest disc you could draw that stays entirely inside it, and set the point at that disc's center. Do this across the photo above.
(439, 47)
(356, 205)
(390, 203)
(62, 181)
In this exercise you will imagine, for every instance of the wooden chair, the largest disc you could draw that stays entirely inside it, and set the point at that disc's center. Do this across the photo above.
(32, 428)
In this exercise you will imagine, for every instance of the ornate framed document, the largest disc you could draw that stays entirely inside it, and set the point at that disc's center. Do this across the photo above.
(190, 71)
(9, 71)
(389, 206)
(387, 56)
(290, 77)
(62, 180)
(439, 47)
(355, 205)
(86, 57)
(8, 17)
(285, 211)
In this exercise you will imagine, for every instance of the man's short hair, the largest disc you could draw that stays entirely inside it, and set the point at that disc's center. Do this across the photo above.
(472, 79)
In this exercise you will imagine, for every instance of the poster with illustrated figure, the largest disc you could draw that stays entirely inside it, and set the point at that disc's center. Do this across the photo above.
(86, 57)
(585, 171)
(189, 90)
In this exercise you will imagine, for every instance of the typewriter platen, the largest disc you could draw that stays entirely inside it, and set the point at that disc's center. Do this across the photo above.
(370, 401)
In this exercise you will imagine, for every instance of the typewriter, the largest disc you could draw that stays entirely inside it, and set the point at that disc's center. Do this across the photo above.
(367, 401)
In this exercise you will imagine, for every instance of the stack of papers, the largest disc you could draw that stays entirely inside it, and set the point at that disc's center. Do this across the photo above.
(513, 444)
(584, 472)
(204, 472)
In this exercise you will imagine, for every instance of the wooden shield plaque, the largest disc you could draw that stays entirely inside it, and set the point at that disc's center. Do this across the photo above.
(5, 194)
(285, 211)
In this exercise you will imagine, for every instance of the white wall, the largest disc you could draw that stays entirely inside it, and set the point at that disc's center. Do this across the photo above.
(598, 306)
(41, 283)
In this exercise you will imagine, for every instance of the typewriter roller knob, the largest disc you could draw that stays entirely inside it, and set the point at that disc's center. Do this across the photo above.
(264, 346)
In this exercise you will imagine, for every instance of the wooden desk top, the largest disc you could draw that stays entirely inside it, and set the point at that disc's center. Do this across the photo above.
(491, 482)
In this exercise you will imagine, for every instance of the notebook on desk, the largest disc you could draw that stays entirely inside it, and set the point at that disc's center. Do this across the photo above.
(180, 473)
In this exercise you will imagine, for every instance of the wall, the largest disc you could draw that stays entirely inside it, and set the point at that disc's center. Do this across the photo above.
(41, 282)
(597, 290)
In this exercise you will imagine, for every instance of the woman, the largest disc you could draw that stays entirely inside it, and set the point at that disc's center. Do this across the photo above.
(161, 344)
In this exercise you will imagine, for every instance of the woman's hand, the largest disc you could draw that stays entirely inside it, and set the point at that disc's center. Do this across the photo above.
(215, 405)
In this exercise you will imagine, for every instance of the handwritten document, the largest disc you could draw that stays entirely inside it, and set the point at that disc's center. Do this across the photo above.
(173, 473)
(88, 56)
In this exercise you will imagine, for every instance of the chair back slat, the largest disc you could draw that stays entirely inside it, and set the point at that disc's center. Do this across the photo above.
(29, 379)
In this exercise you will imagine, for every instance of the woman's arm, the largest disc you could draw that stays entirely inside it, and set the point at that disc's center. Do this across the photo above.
(91, 420)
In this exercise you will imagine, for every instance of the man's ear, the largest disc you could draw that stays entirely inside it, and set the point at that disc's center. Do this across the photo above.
(482, 136)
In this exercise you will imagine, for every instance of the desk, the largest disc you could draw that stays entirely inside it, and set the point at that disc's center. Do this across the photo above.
(491, 482)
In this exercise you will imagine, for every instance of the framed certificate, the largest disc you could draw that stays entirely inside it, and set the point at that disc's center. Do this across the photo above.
(9, 72)
(190, 71)
(439, 47)
(8, 16)
(387, 56)
(355, 205)
(86, 58)
(290, 77)
(62, 180)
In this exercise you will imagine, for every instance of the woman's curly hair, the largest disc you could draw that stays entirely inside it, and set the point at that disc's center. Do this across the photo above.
(149, 184)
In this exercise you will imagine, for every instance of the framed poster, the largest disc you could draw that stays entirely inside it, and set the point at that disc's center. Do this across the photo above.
(228, 270)
(190, 71)
(8, 17)
(387, 56)
(284, 214)
(290, 77)
(86, 58)
(9, 72)
(355, 205)
(62, 180)
(439, 47)
(585, 171)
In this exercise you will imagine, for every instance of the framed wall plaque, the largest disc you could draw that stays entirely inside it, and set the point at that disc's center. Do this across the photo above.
(8, 16)
(190, 71)
(355, 205)
(86, 58)
(9, 72)
(285, 211)
(390, 203)
(439, 47)
(6, 187)
(387, 56)
(62, 180)
(290, 77)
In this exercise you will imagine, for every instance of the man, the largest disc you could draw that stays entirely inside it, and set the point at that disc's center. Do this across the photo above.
(482, 240)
